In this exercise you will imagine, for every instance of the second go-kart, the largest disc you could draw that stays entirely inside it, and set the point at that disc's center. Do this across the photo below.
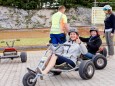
(11, 52)
(85, 68)
(99, 59)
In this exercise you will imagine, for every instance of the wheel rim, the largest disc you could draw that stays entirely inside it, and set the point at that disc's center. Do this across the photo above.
(100, 62)
(90, 70)
(29, 80)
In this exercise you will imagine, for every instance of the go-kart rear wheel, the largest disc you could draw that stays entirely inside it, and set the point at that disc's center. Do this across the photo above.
(104, 52)
(86, 69)
(23, 56)
(56, 72)
(100, 61)
(27, 79)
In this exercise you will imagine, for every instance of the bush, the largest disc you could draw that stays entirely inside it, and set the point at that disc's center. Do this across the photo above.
(31, 5)
(34, 4)
(0, 2)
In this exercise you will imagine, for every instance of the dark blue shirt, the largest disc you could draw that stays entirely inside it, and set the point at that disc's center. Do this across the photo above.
(110, 22)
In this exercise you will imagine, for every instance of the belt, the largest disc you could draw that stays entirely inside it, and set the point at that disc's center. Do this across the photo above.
(108, 30)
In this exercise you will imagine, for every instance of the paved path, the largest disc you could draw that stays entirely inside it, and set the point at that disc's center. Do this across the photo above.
(12, 72)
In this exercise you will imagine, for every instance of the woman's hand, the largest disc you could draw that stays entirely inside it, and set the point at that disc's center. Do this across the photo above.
(112, 34)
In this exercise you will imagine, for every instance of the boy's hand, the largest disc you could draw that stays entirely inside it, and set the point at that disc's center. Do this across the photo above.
(78, 41)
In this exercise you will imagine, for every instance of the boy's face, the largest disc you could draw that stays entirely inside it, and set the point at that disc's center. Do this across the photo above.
(73, 36)
(93, 33)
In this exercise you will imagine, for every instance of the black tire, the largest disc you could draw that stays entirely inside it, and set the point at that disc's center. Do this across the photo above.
(104, 52)
(86, 69)
(56, 73)
(100, 61)
(23, 56)
(26, 79)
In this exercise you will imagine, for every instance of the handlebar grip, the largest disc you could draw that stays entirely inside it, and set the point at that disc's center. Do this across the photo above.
(67, 45)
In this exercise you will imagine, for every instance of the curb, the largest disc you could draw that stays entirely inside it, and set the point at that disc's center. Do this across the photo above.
(34, 47)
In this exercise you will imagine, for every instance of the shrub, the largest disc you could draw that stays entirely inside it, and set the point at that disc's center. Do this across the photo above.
(35, 4)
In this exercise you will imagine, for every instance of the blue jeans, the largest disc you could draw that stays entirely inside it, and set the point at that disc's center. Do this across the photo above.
(89, 55)
(62, 59)
(58, 38)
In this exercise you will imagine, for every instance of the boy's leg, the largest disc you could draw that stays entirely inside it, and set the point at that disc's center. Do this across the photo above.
(50, 64)
(61, 38)
(61, 60)
(89, 55)
(57, 60)
(53, 39)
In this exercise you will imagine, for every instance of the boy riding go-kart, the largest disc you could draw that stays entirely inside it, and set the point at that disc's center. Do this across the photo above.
(63, 58)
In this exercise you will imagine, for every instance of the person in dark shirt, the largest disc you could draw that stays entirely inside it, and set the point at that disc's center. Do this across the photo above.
(109, 29)
(93, 42)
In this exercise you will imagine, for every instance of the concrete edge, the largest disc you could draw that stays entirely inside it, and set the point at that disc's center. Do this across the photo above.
(35, 47)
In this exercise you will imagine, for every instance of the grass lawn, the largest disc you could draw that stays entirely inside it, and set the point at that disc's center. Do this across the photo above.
(33, 41)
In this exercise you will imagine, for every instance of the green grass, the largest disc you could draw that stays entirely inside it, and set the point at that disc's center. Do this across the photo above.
(29, 41)
(35, 41)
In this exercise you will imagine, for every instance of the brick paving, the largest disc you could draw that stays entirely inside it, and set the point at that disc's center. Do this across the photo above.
(12, 72)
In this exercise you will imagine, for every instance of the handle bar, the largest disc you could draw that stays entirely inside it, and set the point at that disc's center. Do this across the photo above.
(10, 40)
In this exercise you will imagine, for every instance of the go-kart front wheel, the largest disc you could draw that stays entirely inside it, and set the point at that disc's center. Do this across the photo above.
(100, 61)
(86, 69)
(27, 79)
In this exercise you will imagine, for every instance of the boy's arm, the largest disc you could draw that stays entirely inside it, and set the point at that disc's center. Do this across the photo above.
(66, 26)
(82, 46)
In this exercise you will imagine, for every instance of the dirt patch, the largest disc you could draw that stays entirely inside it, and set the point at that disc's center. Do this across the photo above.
(35, 33)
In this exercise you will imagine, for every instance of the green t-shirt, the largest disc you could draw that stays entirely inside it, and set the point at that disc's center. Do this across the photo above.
(58, 20)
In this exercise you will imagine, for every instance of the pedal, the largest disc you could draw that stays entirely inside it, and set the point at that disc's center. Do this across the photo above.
(64, 66)
(60, 66)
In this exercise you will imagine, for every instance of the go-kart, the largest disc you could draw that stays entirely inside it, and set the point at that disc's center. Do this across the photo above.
(99, 59)
(85, 68)
(11, 52)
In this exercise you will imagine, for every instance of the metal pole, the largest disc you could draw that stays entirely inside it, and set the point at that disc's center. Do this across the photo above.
(95, 3)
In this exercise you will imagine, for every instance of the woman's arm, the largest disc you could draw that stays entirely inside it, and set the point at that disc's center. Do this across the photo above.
(113, 23)
(84, 39)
